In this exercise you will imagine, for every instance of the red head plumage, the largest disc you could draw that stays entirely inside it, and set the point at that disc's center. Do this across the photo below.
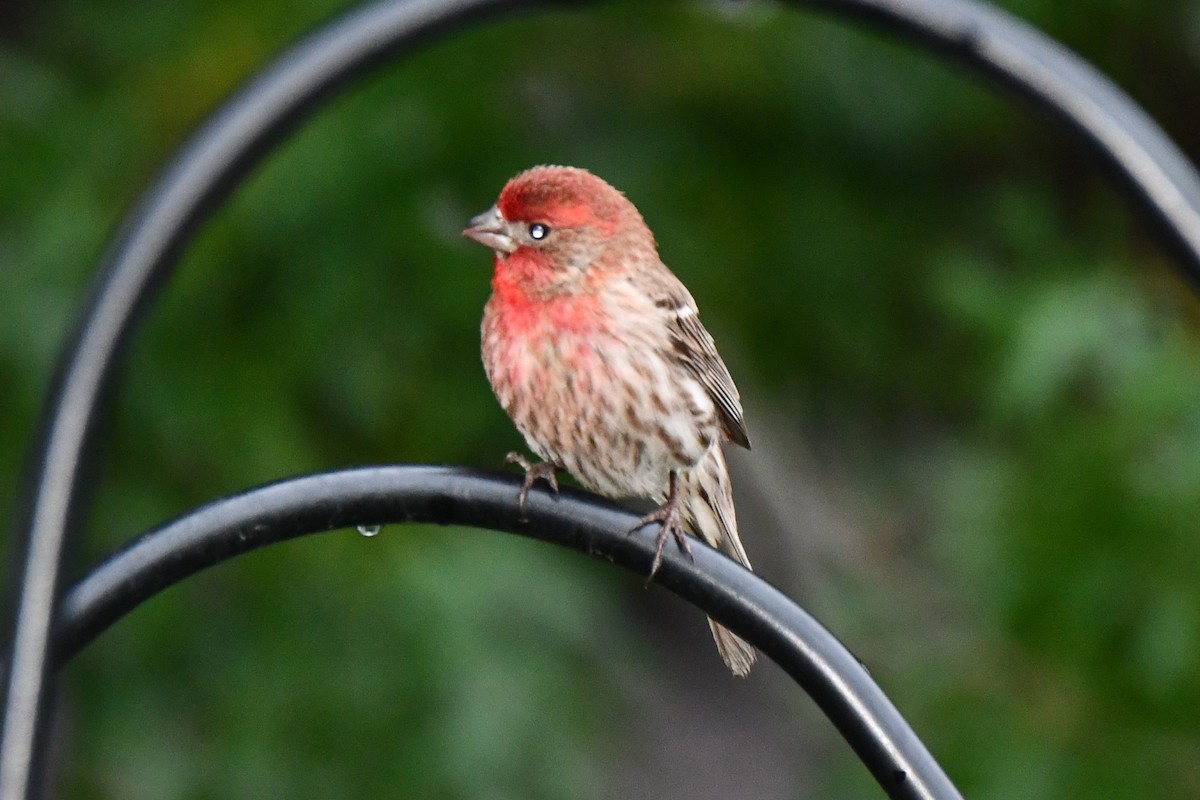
(555, 228)
(564, 197)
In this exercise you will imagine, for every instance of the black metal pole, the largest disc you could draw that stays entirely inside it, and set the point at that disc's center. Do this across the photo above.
(1153, 171)
(242, 131)
(725, 590)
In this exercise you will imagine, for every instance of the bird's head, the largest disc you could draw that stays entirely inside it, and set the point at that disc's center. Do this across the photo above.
(552, 225)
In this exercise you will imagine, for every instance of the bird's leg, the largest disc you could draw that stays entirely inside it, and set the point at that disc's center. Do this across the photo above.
(544, 470)
(671, 517)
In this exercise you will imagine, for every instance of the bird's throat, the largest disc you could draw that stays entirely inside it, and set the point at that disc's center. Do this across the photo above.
(529, 302)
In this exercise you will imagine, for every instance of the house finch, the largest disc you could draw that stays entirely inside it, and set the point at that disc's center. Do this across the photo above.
(595, 350)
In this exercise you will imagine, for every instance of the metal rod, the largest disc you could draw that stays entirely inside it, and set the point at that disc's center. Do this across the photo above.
(725, 590)
(1155, 173)
(246, 128)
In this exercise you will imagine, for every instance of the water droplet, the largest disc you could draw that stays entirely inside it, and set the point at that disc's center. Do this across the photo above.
(369, 530)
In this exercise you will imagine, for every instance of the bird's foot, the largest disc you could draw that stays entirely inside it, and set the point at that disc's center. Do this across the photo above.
(542, 471)
(671, 518)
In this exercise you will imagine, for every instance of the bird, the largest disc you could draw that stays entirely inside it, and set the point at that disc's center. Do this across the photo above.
(595, 350)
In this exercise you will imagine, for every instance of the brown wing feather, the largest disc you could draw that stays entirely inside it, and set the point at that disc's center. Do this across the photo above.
(694, 347)
(699, 356)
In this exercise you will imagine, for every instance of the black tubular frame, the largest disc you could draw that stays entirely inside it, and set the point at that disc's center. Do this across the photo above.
(838, 683)
(220, 155)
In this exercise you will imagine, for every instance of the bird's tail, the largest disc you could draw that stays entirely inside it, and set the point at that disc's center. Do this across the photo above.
(708, 510)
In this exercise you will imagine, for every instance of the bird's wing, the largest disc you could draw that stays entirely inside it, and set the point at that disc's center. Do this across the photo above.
(695, 349)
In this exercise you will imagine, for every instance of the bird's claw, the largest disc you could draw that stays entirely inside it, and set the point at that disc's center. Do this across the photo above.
(544, 470)
(672, 525)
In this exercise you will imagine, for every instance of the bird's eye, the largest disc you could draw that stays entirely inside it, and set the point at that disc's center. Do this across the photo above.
(538, 231)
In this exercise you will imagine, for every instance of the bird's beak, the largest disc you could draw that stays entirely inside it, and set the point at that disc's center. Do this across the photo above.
(491, 230)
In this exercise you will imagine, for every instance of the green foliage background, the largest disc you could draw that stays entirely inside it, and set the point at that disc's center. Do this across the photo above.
(928, 286)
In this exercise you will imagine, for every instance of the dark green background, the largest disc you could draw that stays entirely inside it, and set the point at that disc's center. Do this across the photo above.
(971, 377)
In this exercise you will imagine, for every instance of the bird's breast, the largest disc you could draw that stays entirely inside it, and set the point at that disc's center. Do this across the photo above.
(543, 348)
(595, 398)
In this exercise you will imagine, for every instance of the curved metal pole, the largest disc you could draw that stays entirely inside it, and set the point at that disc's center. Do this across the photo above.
(287, 509)
(227, 147)
(1153, 170)
(218, 156)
